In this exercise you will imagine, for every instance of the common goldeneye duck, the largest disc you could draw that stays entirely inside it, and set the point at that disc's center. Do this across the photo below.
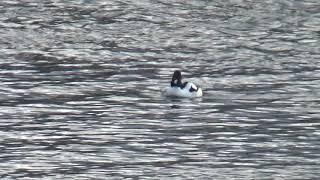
(179, 89)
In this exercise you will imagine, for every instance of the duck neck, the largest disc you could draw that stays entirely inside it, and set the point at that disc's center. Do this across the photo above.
(176, 82)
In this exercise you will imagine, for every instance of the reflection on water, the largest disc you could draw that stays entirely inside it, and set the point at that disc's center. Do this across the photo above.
(81, 83)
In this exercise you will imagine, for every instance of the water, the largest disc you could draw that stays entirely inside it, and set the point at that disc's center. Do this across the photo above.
(81, 83)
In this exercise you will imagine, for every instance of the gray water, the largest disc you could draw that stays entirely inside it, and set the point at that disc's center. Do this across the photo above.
(81, 82)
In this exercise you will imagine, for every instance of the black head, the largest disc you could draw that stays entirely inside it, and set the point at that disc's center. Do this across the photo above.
(176, 78)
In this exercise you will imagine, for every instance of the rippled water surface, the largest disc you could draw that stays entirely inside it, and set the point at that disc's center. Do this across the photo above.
(81, 81)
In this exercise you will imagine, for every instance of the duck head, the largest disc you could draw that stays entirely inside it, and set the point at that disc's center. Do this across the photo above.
(176, 78)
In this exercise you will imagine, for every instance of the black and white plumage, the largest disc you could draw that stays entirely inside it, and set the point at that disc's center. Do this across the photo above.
(179, 89)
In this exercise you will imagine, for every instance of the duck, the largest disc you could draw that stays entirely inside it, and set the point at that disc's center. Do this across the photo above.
(179, 89)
